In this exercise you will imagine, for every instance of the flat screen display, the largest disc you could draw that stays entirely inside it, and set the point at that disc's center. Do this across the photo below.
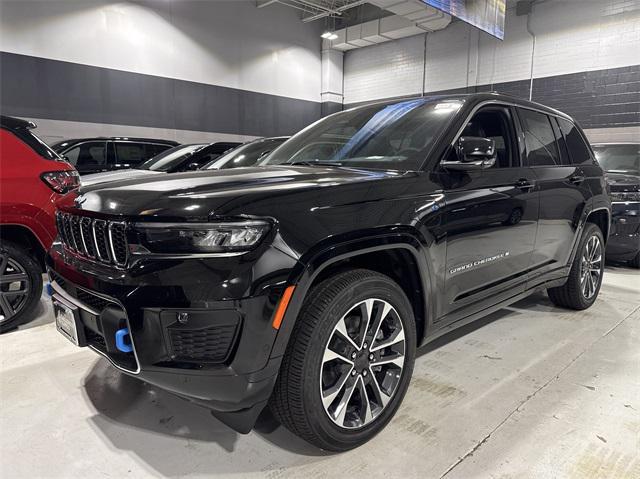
(487, 15)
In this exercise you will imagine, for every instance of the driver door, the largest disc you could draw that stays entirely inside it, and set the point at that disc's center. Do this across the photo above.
(490, 221)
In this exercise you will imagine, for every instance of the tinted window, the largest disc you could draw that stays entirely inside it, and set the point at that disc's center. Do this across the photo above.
(130, 154)
(565, 159)
(539, 139)
(246, 155)
(619, 158)
(88, 155)
(170, 158)
(395, 136)
(578, 149)
(495, 123)
(154, 149)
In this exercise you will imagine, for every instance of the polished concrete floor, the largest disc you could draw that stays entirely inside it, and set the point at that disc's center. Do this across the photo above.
(532, 391)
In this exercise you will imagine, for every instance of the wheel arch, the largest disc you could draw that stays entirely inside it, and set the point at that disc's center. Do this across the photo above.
(601, 217)
(369, 253)
(23, 235)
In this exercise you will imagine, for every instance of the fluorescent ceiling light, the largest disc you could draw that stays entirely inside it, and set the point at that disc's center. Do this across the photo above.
(329, 36)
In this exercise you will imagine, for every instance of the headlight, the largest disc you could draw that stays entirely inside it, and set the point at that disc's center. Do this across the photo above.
(625, 196)
(184, 238)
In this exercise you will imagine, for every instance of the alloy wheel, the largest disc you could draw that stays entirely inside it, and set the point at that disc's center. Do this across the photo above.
(591, 267)
(362, 363)
(14, 287)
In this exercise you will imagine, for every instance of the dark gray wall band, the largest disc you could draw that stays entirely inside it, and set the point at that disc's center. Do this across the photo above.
(51, 89)
(596, 99)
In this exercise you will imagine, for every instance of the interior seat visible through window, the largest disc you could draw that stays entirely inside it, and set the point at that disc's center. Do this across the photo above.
(494, 123)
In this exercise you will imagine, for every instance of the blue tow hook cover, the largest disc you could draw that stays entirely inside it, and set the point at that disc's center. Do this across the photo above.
(49, 289)
(121, 344)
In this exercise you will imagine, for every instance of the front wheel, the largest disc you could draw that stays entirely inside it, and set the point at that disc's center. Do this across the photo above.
(349, 361)
(585, 278)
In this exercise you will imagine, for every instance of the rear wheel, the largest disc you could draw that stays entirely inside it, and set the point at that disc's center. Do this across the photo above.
(20, 285)
(585, 278)
(349, 361)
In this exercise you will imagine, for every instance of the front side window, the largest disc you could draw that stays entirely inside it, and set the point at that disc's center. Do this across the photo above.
(539, 139)
(495, 124)
(394, 136)
(578, 149)
(91, 154)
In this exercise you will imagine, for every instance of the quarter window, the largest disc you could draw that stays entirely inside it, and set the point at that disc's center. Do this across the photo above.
(539, 139)
(578, 149)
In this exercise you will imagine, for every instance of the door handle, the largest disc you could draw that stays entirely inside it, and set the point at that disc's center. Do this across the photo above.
(524, 184)
(576, 179)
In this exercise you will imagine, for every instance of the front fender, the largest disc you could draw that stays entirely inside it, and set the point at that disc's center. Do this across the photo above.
(319, 258)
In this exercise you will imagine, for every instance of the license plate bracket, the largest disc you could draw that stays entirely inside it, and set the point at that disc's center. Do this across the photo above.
(68, 321)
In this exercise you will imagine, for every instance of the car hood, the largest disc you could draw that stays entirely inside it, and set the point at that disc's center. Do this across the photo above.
(198, 195)
(96, 178)
(623, 181)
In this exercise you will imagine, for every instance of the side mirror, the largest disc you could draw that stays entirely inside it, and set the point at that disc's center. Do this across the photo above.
(193, 166)
(473, 153)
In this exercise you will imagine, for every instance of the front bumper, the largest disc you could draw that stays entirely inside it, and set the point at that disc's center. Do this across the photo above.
(624, 240)
(212, 350)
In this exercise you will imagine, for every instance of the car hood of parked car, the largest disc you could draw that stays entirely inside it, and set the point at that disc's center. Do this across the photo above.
(198, 195)
(623, 181)
(105, 176)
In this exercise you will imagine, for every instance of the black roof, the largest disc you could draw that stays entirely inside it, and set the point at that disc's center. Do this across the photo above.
(12, 123)
(475, 98)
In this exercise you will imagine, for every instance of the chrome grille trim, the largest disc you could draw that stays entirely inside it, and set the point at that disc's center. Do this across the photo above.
(94, 238)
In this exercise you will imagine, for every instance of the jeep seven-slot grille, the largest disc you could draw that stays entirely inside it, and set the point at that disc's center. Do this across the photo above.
(100, 240)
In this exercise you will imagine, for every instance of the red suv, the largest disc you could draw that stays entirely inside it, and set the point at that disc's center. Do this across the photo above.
(32, 178)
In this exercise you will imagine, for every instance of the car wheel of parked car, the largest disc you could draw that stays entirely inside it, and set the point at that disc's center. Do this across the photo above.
(20, 285)
(349, 361)
(635, 262)
(581, 289)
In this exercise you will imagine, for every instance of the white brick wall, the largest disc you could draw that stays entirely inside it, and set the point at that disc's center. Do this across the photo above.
(385, 70)
(572, 36)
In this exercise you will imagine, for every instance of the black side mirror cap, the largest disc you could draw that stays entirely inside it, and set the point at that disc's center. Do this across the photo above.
(473, 153)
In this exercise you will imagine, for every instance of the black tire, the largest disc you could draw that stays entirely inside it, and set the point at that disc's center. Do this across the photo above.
(572, 295)
(635, 262)
(297, 397)
(17, 309)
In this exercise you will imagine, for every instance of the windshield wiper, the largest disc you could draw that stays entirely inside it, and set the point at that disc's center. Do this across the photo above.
(314, 163)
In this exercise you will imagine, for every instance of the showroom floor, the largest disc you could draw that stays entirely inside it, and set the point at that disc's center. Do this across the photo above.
(535, 391)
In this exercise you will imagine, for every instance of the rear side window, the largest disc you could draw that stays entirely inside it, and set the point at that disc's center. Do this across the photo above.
(578, 149)
(91, 154)
(539, 139)
(130, 154)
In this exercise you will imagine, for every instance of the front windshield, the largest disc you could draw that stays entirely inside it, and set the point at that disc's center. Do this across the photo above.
(245, 155)
(619, 158)
(168, 159)
(394, 136)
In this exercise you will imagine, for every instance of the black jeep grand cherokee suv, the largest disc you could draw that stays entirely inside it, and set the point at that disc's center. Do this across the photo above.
(307, 283)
